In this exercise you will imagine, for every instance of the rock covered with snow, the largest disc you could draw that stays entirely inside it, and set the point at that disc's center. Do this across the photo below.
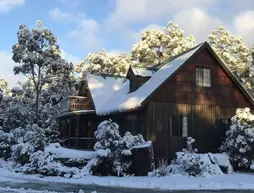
(222, 160)
(57, 151)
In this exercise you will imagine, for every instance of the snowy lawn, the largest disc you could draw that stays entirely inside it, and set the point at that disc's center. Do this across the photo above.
(229, 181)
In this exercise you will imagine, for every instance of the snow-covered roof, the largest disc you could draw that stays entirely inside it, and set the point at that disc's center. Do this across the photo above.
(134, 100)
(142, 72)
(111, 94)
(105, 89)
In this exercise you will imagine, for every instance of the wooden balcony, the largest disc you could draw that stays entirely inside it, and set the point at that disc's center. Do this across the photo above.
(75, 103)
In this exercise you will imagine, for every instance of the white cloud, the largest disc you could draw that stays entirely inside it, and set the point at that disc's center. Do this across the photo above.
(200, 24)
(244, 26)
(133, 11)
(6, 71)
(135, 36)
(57, 15)
(7, 5)
(72, 4)
(87, 34)
(70, 57)
(86, 31)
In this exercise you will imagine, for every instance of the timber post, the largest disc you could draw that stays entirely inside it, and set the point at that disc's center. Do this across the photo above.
(69, 132)
(77, 129)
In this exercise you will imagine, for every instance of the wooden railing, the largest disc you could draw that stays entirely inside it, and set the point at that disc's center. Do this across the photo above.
(78, 143)
(75, 103)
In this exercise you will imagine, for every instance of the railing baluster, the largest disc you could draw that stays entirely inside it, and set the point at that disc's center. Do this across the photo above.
(75, 103)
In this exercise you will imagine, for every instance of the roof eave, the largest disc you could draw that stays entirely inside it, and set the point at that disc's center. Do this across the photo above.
(231, 75)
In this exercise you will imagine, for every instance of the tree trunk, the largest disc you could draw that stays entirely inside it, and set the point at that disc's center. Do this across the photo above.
(37, 105)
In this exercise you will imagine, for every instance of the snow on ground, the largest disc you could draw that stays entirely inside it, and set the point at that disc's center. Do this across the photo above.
(22, 190)
(174, 182)
(60, 152)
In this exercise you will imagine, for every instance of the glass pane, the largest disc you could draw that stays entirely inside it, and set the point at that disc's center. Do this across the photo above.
(207, 77)
(199, 77)
(185, 127)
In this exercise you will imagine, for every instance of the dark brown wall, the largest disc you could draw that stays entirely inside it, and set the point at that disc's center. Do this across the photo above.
(181, 88)
(202, 105)
(136, 81)
(180, 96)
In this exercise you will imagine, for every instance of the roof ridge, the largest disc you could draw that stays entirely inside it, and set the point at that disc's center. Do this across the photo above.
(157, 67)
(143, 68)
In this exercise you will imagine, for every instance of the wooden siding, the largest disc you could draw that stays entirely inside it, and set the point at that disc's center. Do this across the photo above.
(201, 126)
(179, 96)
(181, 88)
(203, 106)
(80, 135)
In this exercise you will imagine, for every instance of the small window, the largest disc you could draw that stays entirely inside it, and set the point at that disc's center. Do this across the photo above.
(203, 77)
(178, 126)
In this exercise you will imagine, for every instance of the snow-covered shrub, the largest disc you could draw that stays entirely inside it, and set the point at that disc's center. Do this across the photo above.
(43, 163)
(49, 124)
(17, 113)
(114, 151)
(162, 169)
(239, 142)
(32, 141)
(6, 142)
(189, 162)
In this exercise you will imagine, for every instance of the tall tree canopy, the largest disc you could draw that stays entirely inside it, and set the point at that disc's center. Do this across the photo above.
(38, 58)
(104, 63)
(249, 82)
(232, 50)
(3, 84)
(157, 45)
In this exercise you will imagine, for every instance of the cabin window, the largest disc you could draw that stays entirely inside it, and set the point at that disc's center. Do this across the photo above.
(203, 77)
(178, 126)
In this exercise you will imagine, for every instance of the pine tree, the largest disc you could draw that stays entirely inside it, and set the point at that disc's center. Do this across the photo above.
(157, 45)
(240, 139)
(232, 50)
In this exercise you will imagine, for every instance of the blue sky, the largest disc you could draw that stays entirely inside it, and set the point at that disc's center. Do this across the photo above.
(84, 26)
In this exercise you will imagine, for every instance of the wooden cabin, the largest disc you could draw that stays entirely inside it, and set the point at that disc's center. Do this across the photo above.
(194, 94)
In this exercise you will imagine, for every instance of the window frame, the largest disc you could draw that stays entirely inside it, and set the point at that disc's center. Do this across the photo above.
(200, 77)
(180, 124)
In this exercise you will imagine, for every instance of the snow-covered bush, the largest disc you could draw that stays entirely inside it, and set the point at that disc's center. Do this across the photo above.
(162, 169)
(114, 151)
(48, 122)
(43, 163)
(18, 112)
(190, 163)
(6, 142)
(32, 141)
(187, 162)
(239, 142)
